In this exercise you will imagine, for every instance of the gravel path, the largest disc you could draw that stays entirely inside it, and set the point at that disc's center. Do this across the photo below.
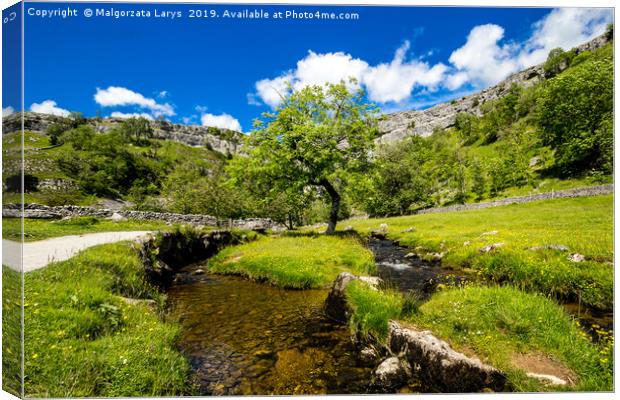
(39, 254)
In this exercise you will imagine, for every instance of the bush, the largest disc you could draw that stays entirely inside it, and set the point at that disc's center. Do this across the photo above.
(574, 111)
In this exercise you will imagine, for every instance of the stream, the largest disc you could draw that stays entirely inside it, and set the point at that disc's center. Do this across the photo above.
(246, 338)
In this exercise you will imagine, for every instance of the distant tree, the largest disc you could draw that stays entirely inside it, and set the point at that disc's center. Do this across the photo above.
(138, 129)
(73, 121)
(557, 61)
(321, 136)
(479, 182)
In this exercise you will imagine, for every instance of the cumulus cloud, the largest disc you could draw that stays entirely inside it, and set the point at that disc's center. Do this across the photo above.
(484, 60)
(386, 82)
(224, 121)
(118, 114)
(395, 81)
(565, 28)
(120, 96)
(49, 107)
(7, 111)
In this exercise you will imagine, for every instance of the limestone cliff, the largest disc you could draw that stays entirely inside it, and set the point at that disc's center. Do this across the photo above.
(221, 140)
(395, 127)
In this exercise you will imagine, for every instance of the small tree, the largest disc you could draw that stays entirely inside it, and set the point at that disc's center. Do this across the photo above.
(320, 136)
(138, 129)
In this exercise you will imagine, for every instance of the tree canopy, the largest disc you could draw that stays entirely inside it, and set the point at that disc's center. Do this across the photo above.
(319, 137)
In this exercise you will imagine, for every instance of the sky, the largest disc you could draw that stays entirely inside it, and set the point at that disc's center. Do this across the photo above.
(226, 71)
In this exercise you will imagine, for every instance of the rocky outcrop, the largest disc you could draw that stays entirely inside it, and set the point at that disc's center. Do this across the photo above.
(40, 211)
(166, 253)
(224, 141)
(439, 366)
(398, 126)
(336, 305)
(409, 354)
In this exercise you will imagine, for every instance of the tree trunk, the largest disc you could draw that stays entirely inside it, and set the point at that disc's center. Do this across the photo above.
(333, 213)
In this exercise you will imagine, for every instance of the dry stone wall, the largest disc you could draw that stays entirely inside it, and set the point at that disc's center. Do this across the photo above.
(560, 194)
(40, 211)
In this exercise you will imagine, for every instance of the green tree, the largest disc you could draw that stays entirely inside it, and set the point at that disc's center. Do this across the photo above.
(319, 137)
(557, 61)
(571, 111)
(138, 129)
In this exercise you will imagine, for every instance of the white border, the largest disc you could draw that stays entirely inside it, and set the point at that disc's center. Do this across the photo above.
(445, 3)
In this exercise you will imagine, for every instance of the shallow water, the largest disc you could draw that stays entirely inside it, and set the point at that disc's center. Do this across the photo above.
(401, 272)
(247, 338)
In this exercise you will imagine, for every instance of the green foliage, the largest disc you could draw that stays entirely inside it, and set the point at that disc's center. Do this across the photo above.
(102, 164)
(137, 129)
(500, 323)
(575, 113)
(319, 137)
(372, 308)
(84, 340)
(62, 125)
(295, 262)
(467, 123)
(193, 189)
(557, 61)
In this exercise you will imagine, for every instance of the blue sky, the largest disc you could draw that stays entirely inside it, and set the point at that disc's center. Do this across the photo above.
(226, 72)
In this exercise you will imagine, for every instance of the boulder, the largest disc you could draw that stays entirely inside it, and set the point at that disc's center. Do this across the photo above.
(392, 373)
(576, 257)
(558, 247)
(368, 355)
(116, 217)
(439, 366)
(491, 247)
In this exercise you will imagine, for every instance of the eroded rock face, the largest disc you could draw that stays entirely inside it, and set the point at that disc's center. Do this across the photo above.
(223, 141)
(398, 126)
(439, 366)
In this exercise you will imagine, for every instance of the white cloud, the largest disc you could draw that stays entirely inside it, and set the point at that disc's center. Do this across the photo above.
(7, 111)
(271, 91)
(224, 121)
(481, 58)
(118, 114)
(49, 107)
(484, 61)
(565, 28)
(163, 94)
(120, 96)
(394, 82)
(386, 82)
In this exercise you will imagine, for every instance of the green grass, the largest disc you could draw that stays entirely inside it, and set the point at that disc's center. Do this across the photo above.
(38, 229)
(498, 323)
(295, 262)
(11, 331)
(82, 338)
(372, 309)
(584, 224)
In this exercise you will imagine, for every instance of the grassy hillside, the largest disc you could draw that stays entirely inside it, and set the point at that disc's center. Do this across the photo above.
(557, 134)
